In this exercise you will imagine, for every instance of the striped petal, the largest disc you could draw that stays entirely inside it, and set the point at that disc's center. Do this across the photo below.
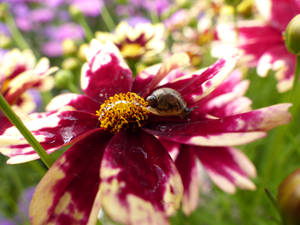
(227, 167)
(74, 102)
(176, 61)
(140, 184)
(228, 131)
(67, 194)
(217, 102)
(28, 79)
(278, 12)
(52, 130)
(282, 62)
(187, 167)
(105, 73)
(5, 123)
(198, 85)
(255, 39)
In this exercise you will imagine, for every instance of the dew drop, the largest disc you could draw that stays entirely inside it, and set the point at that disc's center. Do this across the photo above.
(163, 128)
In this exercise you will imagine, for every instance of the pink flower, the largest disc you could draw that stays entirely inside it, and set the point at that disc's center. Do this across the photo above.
(117, 161)
(263, 42)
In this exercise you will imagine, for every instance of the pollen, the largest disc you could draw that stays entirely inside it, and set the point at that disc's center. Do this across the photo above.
(123, 111)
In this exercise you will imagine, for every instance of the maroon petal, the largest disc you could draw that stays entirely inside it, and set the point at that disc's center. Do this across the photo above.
(254, 40)
(5, 123)
(28, 79)
(140, 183)
(52, 130)
(282, 62)
(66, 194)
(278, 12)
(144, 78)
(197, 86)
(187, 167)
(73, 101)
(105, 73)
(232, 130)
(174, 62)
(217, 102)
(227, 167)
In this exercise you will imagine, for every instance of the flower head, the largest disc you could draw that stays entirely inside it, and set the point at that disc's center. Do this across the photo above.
(263, 43)
(117, 160)
(142, 41)
(19, 75)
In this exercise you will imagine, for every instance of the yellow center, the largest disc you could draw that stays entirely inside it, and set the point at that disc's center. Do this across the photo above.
(132, 50)
(124, 110)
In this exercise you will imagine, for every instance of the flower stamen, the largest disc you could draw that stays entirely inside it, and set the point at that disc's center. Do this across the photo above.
(124, 110)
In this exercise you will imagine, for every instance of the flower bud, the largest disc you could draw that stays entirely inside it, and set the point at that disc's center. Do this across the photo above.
(75, 11)
(71, 63)
(292, 35)
(82, 51)
(69, 47)
(5, 41)
(63, 78)
(288, 198)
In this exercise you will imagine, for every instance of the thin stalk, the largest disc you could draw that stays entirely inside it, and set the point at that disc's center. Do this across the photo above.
(272, 199)
(15, 120)
(235, 21)
(295, 82)
(107, 19)
(73, 88)
(84, 24)
(15, 33)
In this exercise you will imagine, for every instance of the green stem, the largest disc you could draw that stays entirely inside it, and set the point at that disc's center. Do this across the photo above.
(154, 17)
(87, 30)
(16, 34)
(296, 80)
(107, 18)
(272, 199)
(73, 88)
(14, 119)
(235, 21)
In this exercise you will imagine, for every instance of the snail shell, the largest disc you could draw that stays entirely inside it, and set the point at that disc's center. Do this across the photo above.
(167, 102)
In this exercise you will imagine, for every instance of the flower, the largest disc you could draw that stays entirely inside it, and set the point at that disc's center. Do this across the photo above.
(263, 41)
(116, 161)
(142, 41)
(20, 74)
(226, 165)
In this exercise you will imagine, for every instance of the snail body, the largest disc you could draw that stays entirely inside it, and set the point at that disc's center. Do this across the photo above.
(167, 102)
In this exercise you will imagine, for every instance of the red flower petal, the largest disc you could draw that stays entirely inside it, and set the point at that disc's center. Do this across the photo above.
(256, 39)
(75, 101)
(174, 62)
(66, 194)
(106, 73)
(51, 130)
(187, 167)
(233, 130)
(5, 123)
(227, 167)
(140, 183)
(282, 62)
(217, 102)
(197, 86)
(278, 12)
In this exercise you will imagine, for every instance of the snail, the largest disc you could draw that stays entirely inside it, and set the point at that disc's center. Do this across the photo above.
(168, 102)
